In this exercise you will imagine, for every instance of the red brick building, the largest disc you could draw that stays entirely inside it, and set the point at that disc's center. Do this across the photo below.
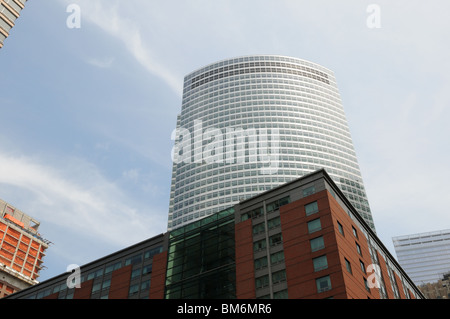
(329, 251)
(302, 240)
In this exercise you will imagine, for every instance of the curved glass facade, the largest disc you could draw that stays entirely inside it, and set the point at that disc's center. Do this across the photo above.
(252, 123)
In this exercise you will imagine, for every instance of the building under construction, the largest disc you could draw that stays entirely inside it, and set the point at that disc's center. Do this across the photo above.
(9, 13)
(21, 250)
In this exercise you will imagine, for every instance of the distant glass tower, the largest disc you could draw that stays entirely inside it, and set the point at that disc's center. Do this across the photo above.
(252, 123)
(425, 256)
(9, 12)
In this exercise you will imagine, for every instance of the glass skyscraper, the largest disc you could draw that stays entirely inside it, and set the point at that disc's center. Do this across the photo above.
(249, 124)
(425, 256)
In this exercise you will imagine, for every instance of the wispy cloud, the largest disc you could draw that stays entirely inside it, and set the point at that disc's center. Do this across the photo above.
(101, 63)
(75, 198)
(108, 18)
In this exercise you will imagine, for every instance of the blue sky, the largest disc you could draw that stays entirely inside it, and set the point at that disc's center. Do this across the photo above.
(87, 114)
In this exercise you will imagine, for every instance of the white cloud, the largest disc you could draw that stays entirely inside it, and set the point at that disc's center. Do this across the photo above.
(103, 63)
(132, 174)
(75, 199)
(401, 123)
(108, 18)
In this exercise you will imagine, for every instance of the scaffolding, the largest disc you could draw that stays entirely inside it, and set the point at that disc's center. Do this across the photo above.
(22, 249)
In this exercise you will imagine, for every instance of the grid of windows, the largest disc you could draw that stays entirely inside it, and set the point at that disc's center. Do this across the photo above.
(200, 257)
(101, 277)
(200, 262)
(268, 249)
(304, 107)
(424, 256)
(320, 263)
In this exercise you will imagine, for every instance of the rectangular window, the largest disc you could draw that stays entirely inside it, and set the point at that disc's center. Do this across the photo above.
(277, 257)
(134, 289)
(135, 273)
(262, 281)
(358, 249)
(311, 208)
(366, 284)
(275, 240)
(96, 287)
(260, 228)
(355, 233)
(323, 284)
(363, 267)
(257, 212)
(320, 263)
(283, 294)
(317, 244)
(145, 285)
(277, 204)
(314, 225)
(272, 206)
(348, 266)
(147, 269)
(259, 245)
(341, 229)
(133, 260)
(113, 267)
(279, 276)
(95, 274)
(106, 284)
(260, 263)
(309, 191)
(272, 223)
(99, 273)
(245, 216)
(284, 201)
(153, 252)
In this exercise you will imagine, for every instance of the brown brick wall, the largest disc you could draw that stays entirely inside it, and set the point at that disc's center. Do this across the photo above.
(347, 247)
(400, 286)
(85, 291)
(159, 268)
(301, 277)
(120, 283)
(52, 296)
(245, 271)
(338, 248)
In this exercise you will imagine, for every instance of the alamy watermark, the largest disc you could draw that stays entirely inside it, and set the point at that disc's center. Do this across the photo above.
(73, 21)
(74, 279)
(373, 279)
(227, 146)
(374, 19)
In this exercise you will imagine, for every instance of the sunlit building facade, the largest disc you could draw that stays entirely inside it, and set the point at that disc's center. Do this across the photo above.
(252, 123)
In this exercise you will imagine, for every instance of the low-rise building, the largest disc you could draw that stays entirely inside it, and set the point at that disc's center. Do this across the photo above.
(301, 240)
